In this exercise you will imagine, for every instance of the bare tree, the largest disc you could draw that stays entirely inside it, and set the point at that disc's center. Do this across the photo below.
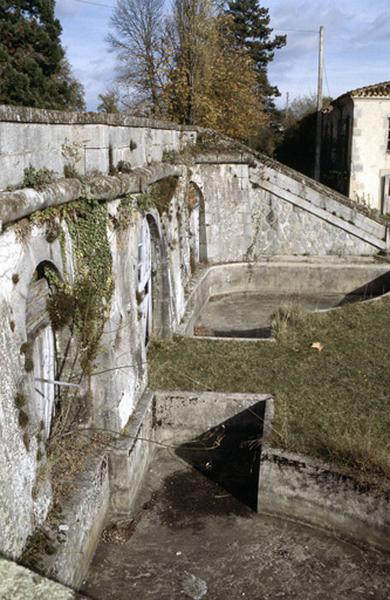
(136, 40)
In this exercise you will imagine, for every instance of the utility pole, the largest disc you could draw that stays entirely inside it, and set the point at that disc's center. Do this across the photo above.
(317, 163)
(286, 111)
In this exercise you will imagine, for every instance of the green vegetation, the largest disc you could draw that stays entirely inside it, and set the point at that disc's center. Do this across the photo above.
(37, 178)
(159, 195)
(87, 301)
(332, 401)
(20, 400)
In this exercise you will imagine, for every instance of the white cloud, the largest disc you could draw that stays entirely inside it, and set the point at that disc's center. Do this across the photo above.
(65, 8)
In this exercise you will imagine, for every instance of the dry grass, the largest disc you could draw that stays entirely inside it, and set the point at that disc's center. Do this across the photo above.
(331, 403)
(67, 460)
(288, 314)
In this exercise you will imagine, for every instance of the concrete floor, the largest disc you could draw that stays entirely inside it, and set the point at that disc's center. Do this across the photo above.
(190, 539)
(248, 314)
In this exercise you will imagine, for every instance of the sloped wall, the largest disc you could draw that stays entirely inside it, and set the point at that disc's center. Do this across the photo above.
(254, 210)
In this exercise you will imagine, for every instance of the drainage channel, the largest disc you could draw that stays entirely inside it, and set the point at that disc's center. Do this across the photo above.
(190, 538)
(194, 532)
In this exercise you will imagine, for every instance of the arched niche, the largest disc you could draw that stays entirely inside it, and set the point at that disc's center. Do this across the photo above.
(144, 282)
(198, 238)
(41, 345)
(157, 306)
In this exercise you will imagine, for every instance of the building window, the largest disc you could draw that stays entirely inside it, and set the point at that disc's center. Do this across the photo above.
(388, 135)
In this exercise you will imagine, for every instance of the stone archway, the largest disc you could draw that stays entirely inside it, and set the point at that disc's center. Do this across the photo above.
(161, 321)
(144, 282)
(41, 346)
(198, 238)
(153, 295)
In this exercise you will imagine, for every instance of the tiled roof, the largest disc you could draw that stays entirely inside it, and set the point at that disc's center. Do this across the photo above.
(376, 90)
(371, 91)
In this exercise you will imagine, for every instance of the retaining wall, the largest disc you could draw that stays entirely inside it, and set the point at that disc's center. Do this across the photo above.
(293, 276)
(298, 487)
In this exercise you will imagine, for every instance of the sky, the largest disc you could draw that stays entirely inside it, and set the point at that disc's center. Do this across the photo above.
(357, 44)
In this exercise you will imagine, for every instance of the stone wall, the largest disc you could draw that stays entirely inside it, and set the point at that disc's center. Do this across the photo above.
(89, 142)
(293, 276)
(222, 210)
(19, 583)
(255, 209)
(110, 392)
(313, 492)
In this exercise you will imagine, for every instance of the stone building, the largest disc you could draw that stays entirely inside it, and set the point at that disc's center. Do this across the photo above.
(356, 145)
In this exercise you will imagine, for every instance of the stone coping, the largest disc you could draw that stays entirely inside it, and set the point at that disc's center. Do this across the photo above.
(24, 114)
(21, 203)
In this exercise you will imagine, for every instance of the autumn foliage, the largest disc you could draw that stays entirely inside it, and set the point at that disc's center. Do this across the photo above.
(192, 67)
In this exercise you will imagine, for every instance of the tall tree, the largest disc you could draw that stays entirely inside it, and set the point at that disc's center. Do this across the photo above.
(33, 68)
(189, 67)
(251, 29)
(136, 39)
(192, 37)
(211, 84)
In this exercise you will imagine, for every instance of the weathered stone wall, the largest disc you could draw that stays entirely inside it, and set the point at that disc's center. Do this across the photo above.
(253, 210)
(221, 211)
(314, 492)
(280, 227)
(89, 142)
(19, 583)
(292, 276)
(119, 374)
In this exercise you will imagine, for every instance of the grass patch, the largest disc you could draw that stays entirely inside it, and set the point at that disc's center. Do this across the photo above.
(331, 403)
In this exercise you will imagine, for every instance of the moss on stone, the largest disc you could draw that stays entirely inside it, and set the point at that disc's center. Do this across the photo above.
(61, 307)
(37, 178)
(20, 400)
(159, 195)
(23, 419)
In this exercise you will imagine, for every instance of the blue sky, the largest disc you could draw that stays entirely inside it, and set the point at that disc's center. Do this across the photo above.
(357, 44)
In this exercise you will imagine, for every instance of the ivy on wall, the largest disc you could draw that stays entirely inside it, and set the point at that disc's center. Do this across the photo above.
(85, 302)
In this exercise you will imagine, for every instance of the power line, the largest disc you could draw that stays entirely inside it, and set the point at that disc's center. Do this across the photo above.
(95, 3)
(296, 30)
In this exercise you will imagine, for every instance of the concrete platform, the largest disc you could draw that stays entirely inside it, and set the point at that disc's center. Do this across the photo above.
(249, 314)
(189, 538)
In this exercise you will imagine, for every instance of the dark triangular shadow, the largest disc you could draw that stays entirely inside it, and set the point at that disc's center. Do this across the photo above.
(229, 454)
(372, 289)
